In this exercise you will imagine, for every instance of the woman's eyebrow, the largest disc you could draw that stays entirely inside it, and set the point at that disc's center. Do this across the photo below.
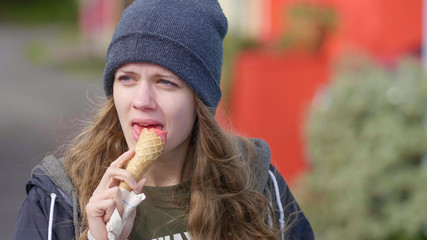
(157, 75)
(130, 72)
(125, 71)
(166, 74)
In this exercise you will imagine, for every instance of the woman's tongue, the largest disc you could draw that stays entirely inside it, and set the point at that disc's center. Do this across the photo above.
(138, 128)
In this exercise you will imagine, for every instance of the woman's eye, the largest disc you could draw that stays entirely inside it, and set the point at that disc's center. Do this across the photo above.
(166, 83)
(125, 78)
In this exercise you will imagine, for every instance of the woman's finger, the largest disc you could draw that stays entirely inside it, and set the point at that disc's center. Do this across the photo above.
(110, 193)
(140, 185)
(101, 208)
(123, 175)
(111, 205)
(120, 161)
(113, 175)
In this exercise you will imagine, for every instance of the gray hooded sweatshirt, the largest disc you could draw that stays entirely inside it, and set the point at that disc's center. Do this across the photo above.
(51, 208)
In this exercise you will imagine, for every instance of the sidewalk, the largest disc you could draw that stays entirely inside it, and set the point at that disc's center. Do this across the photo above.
(40, 107)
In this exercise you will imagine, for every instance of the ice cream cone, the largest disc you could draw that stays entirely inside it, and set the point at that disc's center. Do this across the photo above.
(148, 148)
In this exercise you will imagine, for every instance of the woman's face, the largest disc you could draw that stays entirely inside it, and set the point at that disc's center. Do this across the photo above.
(148, 95)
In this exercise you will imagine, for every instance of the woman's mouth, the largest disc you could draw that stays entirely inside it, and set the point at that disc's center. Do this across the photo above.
(137, 128)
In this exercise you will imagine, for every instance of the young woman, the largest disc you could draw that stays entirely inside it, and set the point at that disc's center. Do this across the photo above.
(163, 71)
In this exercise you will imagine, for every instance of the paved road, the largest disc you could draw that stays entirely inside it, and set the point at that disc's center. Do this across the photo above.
(39, 105)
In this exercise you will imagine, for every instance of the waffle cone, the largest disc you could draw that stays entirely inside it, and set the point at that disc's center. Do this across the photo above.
(147, 150)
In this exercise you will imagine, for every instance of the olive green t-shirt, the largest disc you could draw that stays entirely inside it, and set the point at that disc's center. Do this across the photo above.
(162, 215)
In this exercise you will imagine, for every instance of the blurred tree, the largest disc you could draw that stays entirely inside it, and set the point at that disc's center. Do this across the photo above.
(367, 142)
(233, 46)
(39, 11)
(308, 26)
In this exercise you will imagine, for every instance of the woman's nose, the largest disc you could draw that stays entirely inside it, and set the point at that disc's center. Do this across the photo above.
(144, 98)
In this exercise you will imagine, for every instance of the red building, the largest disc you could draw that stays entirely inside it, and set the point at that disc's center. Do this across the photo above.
(272, 91)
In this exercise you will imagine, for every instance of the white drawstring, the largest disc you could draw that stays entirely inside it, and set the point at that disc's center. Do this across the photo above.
(52, 208)
(279, 203)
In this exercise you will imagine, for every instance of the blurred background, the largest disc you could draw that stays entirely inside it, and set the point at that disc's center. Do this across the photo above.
(336, 87)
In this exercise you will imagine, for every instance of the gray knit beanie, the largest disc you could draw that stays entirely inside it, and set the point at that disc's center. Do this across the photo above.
(183, 36)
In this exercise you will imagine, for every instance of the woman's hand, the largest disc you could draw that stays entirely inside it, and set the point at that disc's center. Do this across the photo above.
(107, 197)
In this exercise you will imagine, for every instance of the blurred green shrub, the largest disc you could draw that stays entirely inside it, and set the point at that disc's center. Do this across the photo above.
(367, 142)
(39, 11)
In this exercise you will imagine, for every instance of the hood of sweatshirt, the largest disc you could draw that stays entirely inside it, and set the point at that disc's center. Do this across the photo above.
(50, 177)
(260, 163)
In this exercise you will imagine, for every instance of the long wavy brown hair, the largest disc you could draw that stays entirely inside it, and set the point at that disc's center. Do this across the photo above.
(223, 203)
